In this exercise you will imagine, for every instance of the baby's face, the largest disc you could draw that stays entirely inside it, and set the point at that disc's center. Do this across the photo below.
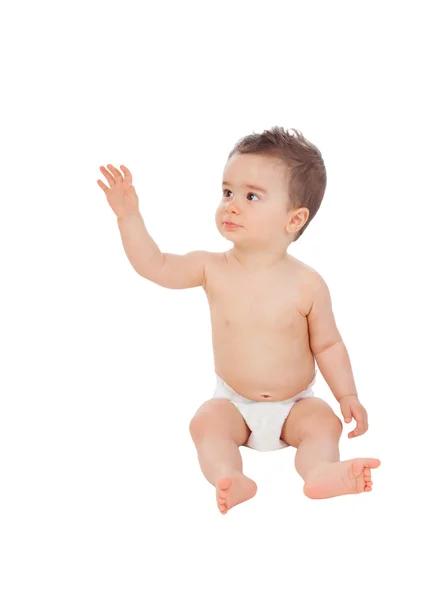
(261, 213)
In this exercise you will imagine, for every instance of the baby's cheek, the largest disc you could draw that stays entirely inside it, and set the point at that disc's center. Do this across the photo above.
(267, 226)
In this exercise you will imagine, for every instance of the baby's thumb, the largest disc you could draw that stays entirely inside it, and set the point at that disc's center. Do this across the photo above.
(347, 415)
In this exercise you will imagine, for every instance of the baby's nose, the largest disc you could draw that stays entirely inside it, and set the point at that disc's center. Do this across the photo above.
(231, 206)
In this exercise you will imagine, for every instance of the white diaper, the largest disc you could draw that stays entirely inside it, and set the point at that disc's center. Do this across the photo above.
(264, 419)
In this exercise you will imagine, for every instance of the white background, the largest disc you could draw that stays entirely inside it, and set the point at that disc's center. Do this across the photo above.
(101, 493)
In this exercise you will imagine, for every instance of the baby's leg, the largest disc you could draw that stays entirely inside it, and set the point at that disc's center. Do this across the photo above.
(218, 429)
(314, 429)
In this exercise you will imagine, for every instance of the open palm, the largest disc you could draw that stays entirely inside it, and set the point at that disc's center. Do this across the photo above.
(121, 195)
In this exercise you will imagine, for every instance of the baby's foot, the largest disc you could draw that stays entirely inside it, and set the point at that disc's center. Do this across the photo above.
(233, 490)
(339, 478)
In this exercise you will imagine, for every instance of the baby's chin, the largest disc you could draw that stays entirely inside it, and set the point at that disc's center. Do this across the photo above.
(228, 230)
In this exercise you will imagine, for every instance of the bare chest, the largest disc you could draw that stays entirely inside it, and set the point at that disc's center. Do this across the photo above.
(253, 308)
(273, 300)
(260, 330)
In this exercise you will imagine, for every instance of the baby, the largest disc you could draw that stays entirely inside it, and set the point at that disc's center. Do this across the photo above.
(271, 320)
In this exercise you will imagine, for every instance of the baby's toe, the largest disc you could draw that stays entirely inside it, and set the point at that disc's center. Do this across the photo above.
(222, 494)
(223, 484)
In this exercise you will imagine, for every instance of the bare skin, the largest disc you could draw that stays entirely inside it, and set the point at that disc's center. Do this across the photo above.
(234, 490)
(260, 298)
(251, 311)
(259, 327)
(339, 478)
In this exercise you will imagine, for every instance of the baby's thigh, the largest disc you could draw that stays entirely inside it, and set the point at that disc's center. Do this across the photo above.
(310, 416)
(219, 417)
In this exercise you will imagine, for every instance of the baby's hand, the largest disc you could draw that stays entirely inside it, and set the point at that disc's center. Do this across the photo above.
(351, 407)
(121, 194)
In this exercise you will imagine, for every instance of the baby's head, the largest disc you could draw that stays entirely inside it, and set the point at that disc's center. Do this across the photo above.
(273, 185)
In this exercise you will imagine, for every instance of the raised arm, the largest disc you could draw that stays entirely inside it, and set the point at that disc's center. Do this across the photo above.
(168, 270)
(181, 271)
(172, 271)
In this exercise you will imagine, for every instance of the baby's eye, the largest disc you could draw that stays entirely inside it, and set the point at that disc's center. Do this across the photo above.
(251, 194)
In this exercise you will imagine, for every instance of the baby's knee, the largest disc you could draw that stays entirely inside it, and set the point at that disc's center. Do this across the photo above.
(198, 426)
(207, 418)
(327, 423)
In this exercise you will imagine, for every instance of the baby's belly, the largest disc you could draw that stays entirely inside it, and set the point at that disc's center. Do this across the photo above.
(265, 372)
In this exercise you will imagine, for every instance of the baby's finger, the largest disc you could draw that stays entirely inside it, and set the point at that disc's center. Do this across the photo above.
(359, 430)
(353, 433)
(346, 413)
(108, 176)
(115, 172)
(127, 174)
(361, 419)
(103, 186)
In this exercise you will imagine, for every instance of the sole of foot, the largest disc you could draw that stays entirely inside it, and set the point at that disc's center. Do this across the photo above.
(340, 478)
(233, 490)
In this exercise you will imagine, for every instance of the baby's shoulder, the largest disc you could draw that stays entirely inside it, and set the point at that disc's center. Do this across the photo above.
(217, 262)
(215, 259)
(298, 267)
(312, 280)
(213, 263)
(305, 272)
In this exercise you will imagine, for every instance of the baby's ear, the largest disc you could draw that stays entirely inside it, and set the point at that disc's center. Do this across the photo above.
(298, 218)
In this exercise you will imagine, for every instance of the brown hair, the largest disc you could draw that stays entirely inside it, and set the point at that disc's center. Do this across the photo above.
(308, 177)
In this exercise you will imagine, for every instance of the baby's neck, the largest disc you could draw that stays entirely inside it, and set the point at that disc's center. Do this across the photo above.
(256, 261)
